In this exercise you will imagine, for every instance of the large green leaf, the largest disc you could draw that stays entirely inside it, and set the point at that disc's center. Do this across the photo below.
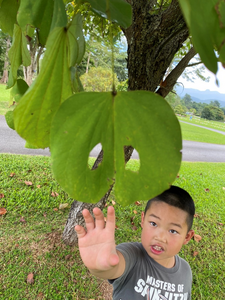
(37, 14)
(18, 54)
(8, 12)
(118, 11)
(207, 29)
(36, 108)
(140, 119)
(76, 41)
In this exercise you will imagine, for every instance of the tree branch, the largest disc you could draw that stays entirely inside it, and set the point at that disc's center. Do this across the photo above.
(195, 64)
(167, 85)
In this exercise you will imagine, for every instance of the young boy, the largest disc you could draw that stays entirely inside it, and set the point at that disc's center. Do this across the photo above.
(149, 270)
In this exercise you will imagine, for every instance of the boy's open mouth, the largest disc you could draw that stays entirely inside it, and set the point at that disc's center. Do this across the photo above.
(157, 249)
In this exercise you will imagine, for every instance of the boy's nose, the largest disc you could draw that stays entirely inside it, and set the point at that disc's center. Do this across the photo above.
(161, 236)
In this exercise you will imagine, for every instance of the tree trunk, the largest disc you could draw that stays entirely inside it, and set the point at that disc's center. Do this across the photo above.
(30, 70)
(5, 74)
(153, 40)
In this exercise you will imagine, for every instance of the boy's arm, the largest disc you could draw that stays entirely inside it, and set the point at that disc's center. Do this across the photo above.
(97, 245)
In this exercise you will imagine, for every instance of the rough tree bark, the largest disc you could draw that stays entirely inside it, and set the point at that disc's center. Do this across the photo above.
(153, 40)
(5, 74)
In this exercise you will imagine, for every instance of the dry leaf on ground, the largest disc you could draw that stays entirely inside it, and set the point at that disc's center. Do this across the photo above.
(22, 220)
(195, 253)
(3, 211)
(54, 194)
(30, 278)
(28, 183)
(197, 238)
(2, 195)
(64, 205)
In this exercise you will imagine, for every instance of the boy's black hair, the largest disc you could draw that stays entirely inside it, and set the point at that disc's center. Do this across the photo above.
(178, 197)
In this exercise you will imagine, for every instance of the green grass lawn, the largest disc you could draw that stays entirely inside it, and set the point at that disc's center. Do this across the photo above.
(198, 134)
(4, 99)
(30, 232)
(203, 122)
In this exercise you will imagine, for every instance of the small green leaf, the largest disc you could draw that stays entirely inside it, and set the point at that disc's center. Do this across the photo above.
(18, 90)
(18, 54)
(9, 119)
(118, 11)
(29, 146)
(36, 108)
(37, 14)
(221, 13)
(59, 18)
(209, 35)
(76, 41)
(140, 119)
(75, 79)
(8, 12)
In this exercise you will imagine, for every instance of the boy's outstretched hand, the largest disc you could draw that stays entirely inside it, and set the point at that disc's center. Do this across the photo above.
(97, 244)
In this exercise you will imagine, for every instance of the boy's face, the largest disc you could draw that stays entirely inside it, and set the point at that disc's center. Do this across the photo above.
(164, 231)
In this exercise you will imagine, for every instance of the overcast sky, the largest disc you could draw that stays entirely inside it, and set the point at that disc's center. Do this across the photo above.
(198, 84)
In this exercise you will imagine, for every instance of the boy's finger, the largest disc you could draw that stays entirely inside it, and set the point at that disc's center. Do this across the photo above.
(89, 221)
(81, 232)
(99, 218)
(111, 222)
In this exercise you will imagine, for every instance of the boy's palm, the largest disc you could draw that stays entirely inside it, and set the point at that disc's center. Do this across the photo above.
(97, 244)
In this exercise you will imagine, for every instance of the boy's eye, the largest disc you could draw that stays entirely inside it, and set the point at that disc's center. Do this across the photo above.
(153, 224)
(173, 231)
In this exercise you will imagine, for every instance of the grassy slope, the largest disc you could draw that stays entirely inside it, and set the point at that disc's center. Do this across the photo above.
(4, 99)
(198, 134)
(203, 122)
(35, 245)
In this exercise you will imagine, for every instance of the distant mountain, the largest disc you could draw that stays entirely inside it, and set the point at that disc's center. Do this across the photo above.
(201, 96)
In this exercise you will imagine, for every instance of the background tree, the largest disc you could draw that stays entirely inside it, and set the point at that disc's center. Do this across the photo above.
(187, 101)
(212, 113)
(98, 80)
(5, 43)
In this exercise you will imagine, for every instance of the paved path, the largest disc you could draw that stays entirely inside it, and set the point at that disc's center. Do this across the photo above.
(11, 142)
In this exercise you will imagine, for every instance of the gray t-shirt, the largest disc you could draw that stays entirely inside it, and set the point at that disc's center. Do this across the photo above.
(144, 278)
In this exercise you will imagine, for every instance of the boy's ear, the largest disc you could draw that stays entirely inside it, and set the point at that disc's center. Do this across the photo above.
(189, 236)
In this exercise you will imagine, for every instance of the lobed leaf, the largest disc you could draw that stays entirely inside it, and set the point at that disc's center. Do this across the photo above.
(140, 119)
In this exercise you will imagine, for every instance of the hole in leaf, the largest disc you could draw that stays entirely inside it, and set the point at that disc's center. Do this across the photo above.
(134, 163)
(95, 157)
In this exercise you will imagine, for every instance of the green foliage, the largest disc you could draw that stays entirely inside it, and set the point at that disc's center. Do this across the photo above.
(212, 113)
(98, 80)
(140, 119)
(86, 119)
